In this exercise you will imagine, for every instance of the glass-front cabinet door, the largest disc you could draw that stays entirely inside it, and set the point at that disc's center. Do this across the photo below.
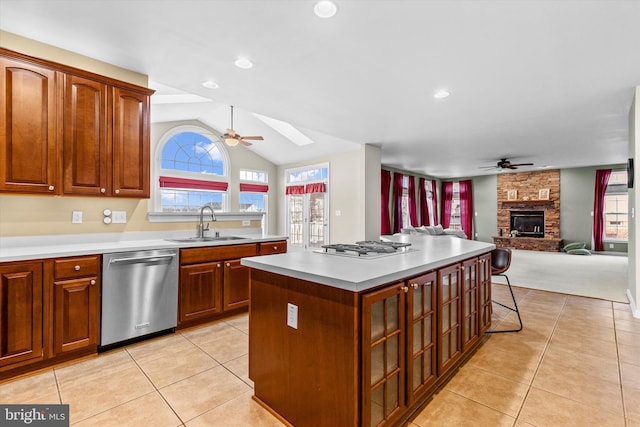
(383, 370)
(470, 331)
(421, 335)
(449, 325)
(484, 285)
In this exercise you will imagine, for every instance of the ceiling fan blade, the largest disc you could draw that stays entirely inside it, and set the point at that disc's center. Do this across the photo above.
(243, 142)
(254, 138)
(521, 164)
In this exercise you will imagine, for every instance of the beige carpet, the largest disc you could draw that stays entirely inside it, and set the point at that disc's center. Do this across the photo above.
(596, 276)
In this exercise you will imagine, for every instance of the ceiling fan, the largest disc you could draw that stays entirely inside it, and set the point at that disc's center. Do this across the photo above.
(231, 138)
(506, 164)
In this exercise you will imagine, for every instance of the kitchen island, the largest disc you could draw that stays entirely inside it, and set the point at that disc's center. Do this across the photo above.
(353, 341)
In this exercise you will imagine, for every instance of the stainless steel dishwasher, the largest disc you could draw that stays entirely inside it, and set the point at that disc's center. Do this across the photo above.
(139, 294)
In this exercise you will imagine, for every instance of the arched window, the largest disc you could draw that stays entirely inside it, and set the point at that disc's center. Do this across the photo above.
(192, 170)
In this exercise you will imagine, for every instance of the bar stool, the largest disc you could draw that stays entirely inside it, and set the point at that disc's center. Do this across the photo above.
(500, 262)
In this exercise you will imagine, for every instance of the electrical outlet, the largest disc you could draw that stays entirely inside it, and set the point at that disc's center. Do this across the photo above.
(76, 217)
(246, 222)
(611, 246)
(292, 316)
(119, 217)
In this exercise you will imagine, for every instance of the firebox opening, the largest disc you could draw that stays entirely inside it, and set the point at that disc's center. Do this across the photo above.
(528, 223)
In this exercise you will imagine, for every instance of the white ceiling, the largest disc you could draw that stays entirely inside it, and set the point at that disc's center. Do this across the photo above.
(548, 82)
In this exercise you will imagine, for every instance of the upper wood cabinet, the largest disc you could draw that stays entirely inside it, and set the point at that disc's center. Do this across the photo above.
(98, 126)
(28, 127)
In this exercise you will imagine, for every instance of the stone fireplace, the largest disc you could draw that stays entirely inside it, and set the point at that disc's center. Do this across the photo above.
(529, 202)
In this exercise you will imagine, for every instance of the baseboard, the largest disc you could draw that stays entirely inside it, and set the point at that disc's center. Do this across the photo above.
(632, 303)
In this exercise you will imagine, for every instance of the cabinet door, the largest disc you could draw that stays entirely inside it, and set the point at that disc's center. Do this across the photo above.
(421, 335)
(470, 329)
(449, 321)
(235, 293)
(76, 311)
(21, 331)
(484, 284)
(130, 144)
(85, 136)
(200, 291)
(383, 355)
(28, 128)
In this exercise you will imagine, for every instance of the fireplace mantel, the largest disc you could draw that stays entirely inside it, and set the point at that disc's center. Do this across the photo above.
(508, 204)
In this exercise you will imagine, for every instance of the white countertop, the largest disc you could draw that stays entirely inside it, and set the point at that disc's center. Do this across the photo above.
(54, 246)
(359, 274)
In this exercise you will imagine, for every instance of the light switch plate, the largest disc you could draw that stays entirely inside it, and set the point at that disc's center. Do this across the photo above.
(246, 222)
(119, 217)
(292, 316)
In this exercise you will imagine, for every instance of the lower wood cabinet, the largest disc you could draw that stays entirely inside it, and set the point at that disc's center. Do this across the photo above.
(200, 291)
(21, 302)
(235, 292)
(50, 312)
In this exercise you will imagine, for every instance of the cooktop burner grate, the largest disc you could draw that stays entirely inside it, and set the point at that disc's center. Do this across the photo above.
(366, 248)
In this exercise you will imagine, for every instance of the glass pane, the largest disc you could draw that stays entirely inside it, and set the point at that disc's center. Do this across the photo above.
(427, 297)
(417, 372)
(445, 318)
(427, 330)
(392, 314)
(454, 341)
(426, 363)
(377, 408)
(316, 219)
(454, 314)
(377, 363)
(445, 348)
(467, 304)
(445, 289)
(454, 286)
(393, 351)
(417, 302)
(393, 394)
(377, 321)
(296, 219)
(417, 337)
(252, 202)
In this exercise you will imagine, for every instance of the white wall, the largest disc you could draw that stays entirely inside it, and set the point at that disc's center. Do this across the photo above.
(633, 293)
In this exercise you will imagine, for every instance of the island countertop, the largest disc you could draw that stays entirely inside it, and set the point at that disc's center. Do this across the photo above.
(359, 274)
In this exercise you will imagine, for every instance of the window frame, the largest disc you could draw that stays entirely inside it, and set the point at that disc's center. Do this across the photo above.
(155, 202)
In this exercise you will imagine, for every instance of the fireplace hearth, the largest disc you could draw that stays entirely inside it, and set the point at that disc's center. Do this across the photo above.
(527, 223)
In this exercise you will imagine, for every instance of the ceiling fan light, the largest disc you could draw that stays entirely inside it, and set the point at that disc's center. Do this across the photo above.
(231, 142)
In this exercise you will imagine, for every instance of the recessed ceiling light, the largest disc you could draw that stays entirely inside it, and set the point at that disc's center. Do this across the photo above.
(325, 9)
(210, 84)
(243, 63)
(442, 93)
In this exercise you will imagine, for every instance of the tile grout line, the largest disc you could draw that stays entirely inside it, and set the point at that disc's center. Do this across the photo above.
(615, 335)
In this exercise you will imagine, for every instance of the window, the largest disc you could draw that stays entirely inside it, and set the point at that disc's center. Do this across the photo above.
(307, 205)
(616, 208)
(192, 171)
(253, 197)
(406, 221)
(428, 188)
(455, 223)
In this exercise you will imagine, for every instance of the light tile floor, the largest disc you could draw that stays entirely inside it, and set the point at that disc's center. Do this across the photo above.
(576, 363)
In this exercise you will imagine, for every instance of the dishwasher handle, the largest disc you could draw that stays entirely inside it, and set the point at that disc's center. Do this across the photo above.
(142, 259)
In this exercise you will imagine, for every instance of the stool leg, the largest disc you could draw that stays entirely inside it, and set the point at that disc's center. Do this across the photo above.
(514, 308)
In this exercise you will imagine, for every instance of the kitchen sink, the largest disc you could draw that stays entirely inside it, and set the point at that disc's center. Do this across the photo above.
(207, 239)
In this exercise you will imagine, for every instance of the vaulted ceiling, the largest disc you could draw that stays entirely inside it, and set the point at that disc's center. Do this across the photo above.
(548, 82)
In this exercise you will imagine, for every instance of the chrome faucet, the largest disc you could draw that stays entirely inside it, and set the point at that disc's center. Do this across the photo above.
(201, 224)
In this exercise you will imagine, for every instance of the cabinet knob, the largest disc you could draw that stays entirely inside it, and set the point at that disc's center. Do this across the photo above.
(103, 190)
(414, 285)
(462, 268)
(228, 265)
(76, 268)
(405, 289)
(92, 282)
(275, 248)
(51, 188)
(218, 265)
(117, 191)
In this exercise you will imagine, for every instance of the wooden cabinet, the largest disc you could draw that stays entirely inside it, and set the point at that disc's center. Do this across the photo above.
(269, 248)
(484, 292)
(212, 281)
(383, 362)
(21, 323)
(29, 122)
(76, 304)
(449, 324)
(470, 305)
(97, 126)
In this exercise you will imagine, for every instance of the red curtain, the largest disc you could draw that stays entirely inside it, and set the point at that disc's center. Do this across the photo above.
(602, 179)
(385, 225)
(295, 189)
(172, 182)
(422, 200)
(466, 208)
(411, 189)
(397, 202)
(447, 191)
(434, 201)
(254, 188)
(318, 187)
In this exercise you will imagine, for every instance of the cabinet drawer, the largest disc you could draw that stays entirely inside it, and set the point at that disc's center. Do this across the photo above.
(67, 268)
(197, 255)
(269, 248)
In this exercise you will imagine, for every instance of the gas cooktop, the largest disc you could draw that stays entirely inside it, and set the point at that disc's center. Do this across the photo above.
(366, 248)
